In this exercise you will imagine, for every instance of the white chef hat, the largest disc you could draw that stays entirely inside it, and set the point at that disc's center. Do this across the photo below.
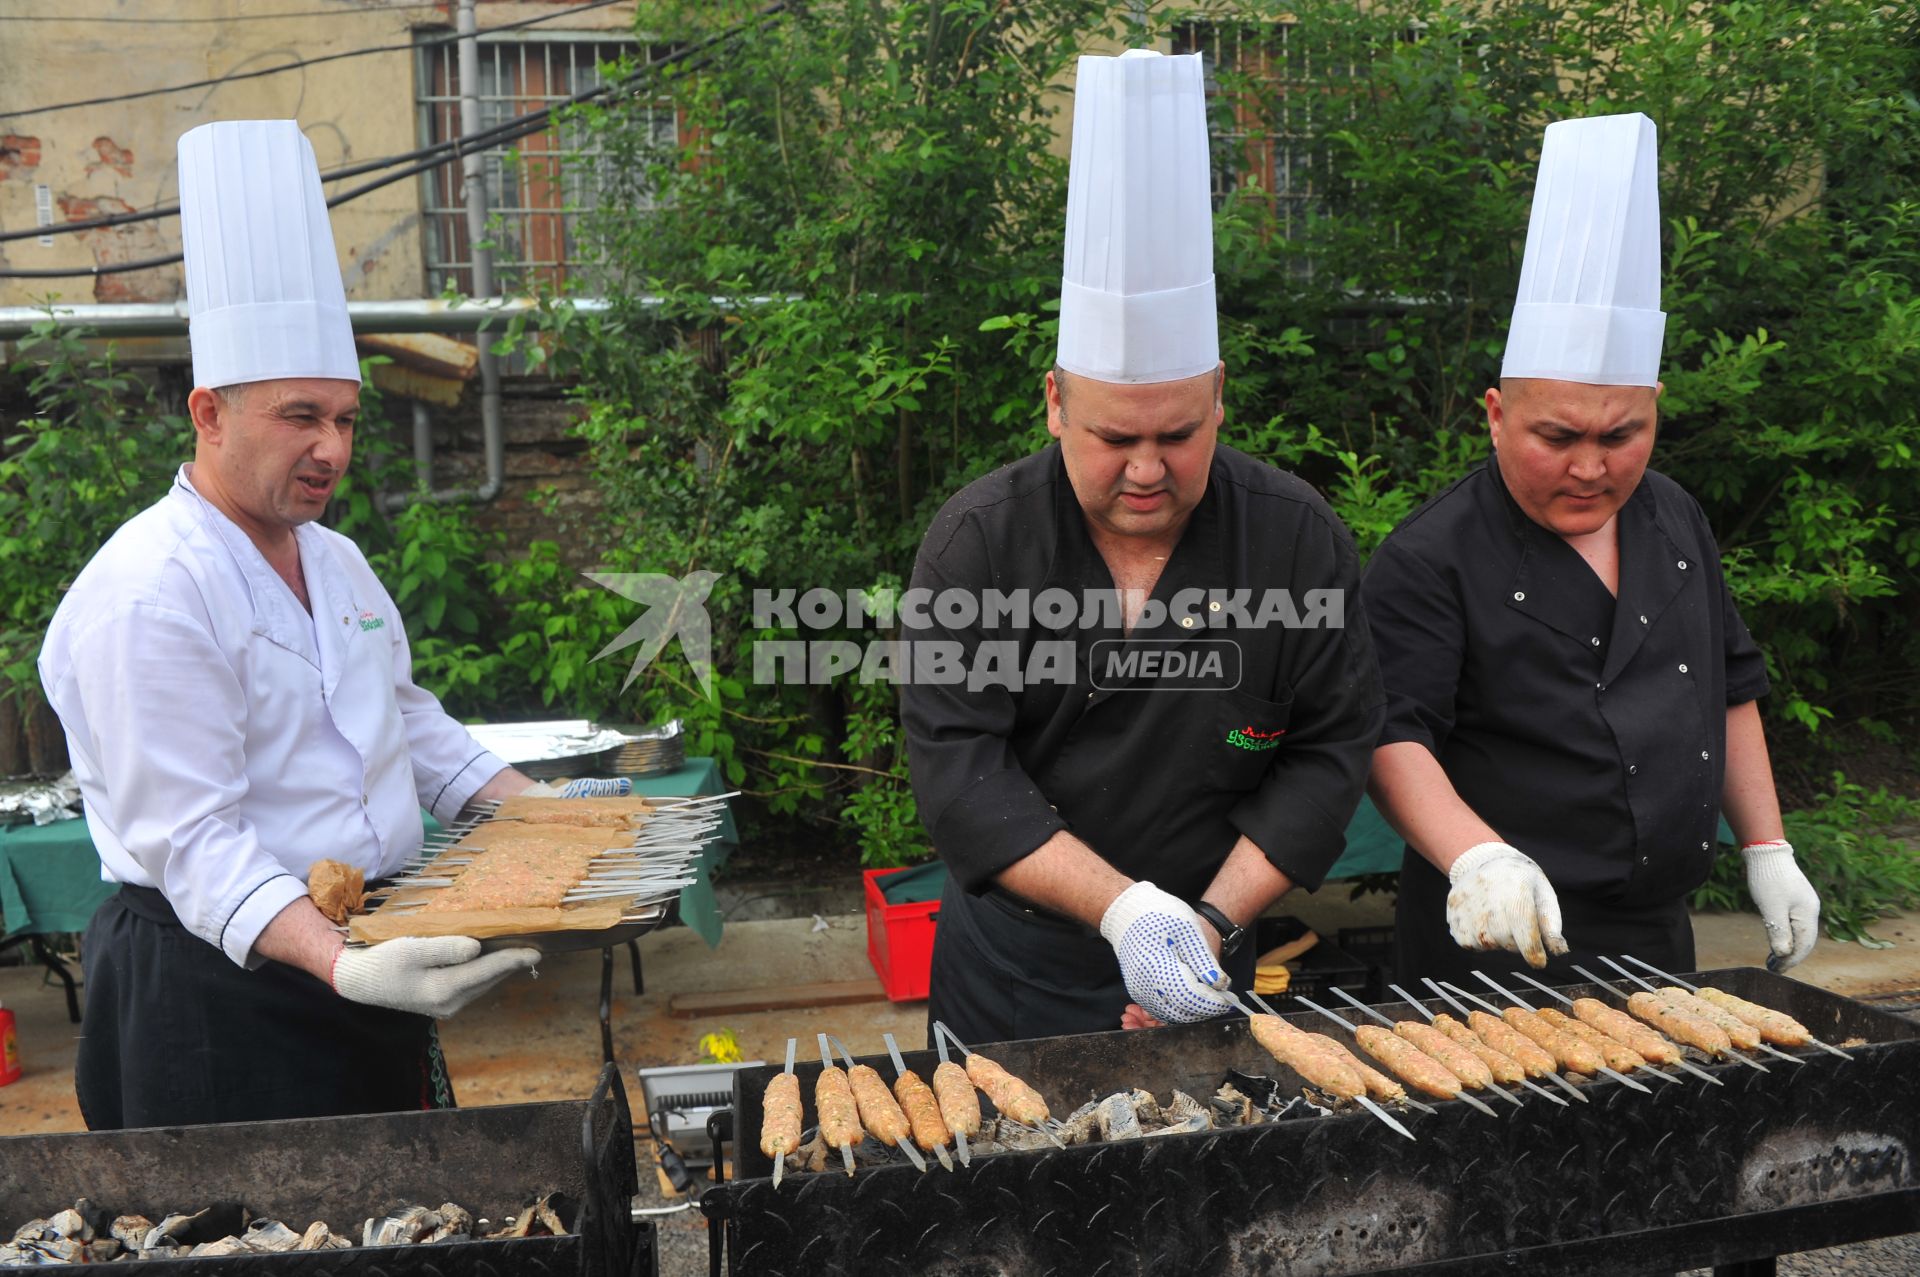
(1588, 308)
(1136, 294)
(263, 284)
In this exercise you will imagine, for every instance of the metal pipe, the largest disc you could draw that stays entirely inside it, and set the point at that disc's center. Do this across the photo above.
(400, 315)
(473, 180)
(422, 445)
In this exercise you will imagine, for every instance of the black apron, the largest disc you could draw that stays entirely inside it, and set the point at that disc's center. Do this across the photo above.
(1003, 971)
(1423, 946)
(176, 1034)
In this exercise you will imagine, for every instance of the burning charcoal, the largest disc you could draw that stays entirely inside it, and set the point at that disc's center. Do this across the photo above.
(1234, 1108)
(104, 1250)
(549, 1217)
(455, 1224)
(1080, 1125)
(70, 1226)
(131, 1230)
(270, 1235)
(1183, 1115)
(402, 1228)
(225, 1246)
(171, 1229)
(1118, 1118)
(1011, 1135)
(1147, 1109)
(31, 1231)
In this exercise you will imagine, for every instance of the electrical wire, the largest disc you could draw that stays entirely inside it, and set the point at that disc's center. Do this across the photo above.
(237, 17)
(298, 63)
(434, 156)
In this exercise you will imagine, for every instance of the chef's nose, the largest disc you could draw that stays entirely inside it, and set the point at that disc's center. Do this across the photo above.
(334, 446)
(1587, 465)
(1145, 467)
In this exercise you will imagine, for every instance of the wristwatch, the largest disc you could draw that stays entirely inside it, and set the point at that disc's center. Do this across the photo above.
(1231, 932)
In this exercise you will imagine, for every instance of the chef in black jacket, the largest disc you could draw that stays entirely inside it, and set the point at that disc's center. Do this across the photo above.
(1110, 831)
(1571, 691)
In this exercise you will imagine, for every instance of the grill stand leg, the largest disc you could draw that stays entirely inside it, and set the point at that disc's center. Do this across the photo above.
(51, 961)
(606, 1005)
(639, 982)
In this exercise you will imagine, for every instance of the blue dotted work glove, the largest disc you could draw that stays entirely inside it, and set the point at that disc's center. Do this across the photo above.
(1164, 958)
(585, 787)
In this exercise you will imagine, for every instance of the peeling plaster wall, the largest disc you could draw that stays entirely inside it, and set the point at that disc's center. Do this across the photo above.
(119, 157)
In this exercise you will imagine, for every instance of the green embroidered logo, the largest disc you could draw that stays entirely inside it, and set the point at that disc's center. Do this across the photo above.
(368, 621)
(1248, 738)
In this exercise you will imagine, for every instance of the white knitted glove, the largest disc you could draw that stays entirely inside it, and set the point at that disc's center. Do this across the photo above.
(1501, 900)
(427, 976)
(1164, 958)
(584, 787)
(1787, 902)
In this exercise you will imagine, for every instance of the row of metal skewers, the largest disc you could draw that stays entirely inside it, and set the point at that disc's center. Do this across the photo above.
(914, 1116)
(649, 864)
(1490, 1048)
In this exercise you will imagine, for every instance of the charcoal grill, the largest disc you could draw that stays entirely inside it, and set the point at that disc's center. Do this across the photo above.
(1689, 1176)
(345, 1170)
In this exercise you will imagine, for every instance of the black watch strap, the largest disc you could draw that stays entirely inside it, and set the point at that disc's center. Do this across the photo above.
(1231, 932)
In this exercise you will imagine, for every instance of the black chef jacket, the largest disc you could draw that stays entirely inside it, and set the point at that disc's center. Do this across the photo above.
(1160, 783)
(1589, 732)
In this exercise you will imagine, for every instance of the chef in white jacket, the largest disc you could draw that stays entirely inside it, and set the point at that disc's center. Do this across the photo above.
(235, 688)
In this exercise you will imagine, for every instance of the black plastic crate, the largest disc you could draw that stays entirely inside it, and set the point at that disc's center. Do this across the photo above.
(1324, 967)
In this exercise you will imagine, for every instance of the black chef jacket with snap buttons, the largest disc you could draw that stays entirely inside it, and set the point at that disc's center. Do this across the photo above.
(1159, 782)
(1588, 731)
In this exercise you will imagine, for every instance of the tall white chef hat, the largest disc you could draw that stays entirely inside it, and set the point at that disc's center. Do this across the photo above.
(1588, 308)
(1136, 294)
(263, 284)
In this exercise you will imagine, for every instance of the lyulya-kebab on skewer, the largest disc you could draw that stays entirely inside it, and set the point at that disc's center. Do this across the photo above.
(781, 1116)
(1503, 1068)
(1324, 1063)
(1624, 1029)
(1455, 1059)
(839, 1114)
(1617, 1054)
(959, 1105)
(1775, 1027)
(1015, 1100)
(1404, 1060)
(922, 1108)
(1677, 1022)
(880, 1113)
(1537, 1062)
(1573, 1051)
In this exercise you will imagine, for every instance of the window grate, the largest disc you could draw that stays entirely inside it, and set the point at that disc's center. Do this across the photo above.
(536, 198)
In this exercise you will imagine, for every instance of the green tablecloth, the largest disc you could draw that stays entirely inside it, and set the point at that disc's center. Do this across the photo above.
(699, 778)
(49, 878)
(1372, 846)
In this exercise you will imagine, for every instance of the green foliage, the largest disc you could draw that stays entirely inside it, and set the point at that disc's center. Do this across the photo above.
(93, 449)
(1853, 845)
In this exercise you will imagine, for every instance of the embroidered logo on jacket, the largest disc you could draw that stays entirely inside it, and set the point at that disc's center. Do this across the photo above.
(368, 621)
(1249, 738)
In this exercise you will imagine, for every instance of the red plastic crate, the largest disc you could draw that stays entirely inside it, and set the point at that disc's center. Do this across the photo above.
(899, 940)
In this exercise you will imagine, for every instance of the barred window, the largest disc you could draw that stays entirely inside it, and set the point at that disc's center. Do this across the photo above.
(536, 199)
(1272, 96)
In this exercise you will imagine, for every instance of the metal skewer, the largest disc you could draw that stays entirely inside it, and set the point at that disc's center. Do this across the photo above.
(900, 1070)
(906, 1145)
(1463, 1096)
(1522, 1003)
(1364, 1100)
(1655, 990)
(1682, 1063)
(1525, 1081)
(1497, 1089)
(940, 1036)
(1452, 994)
(1694, 988)
(1407, 1100)
(846, 1150)
(1730, 1055)
(780, 1162)
(1645, 1065)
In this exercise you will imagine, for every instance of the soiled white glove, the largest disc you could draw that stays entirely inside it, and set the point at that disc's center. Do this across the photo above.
(1164, 958)
(428, 976)
(1787, 902)
(1501, 900)
(583, 787)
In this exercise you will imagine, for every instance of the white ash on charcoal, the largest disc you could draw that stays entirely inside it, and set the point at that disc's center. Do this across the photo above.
(84, 1234)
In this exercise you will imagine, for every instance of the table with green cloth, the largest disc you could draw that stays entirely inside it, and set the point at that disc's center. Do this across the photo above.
(49, 882)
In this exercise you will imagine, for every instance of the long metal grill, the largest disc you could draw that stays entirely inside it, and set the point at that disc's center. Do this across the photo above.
(1797, 1157)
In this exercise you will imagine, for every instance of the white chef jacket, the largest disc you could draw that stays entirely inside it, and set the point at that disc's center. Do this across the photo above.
(224, 740)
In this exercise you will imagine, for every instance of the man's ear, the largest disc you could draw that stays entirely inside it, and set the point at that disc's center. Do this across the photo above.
(1056, 404)
(1496, 415)
(204, 408)
(1220, 393)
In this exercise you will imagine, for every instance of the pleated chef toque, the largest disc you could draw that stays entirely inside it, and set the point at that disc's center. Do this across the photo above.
(1588, 308)
(263, 283)
(1136, 294)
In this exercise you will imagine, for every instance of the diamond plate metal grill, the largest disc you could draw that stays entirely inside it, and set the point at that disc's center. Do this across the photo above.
(1695, 1174)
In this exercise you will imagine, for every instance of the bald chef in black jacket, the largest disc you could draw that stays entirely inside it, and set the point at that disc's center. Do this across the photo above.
(1111, 828)
(1571, 691)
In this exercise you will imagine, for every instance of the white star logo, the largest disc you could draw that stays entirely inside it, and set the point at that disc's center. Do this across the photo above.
(674, 606)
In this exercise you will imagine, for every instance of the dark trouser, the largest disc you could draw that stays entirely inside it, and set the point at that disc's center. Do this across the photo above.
(1660, 933)
(175, 1034)
(1003, 972)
